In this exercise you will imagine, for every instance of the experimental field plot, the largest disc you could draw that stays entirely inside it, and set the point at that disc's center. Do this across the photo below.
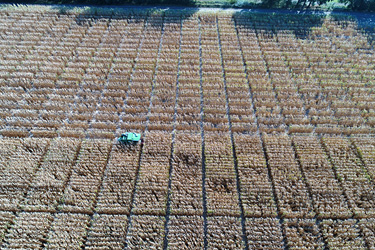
(258, 129)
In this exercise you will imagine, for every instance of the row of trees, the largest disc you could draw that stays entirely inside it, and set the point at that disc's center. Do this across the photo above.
(359, 5)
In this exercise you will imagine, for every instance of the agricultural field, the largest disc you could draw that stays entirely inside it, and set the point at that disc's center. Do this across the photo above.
(259, 129)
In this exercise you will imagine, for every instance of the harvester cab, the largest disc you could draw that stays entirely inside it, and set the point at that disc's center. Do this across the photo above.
(129, 138)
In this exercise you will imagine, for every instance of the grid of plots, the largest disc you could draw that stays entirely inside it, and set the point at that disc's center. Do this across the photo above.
(83, 75)
(292, 192)
(245, 119)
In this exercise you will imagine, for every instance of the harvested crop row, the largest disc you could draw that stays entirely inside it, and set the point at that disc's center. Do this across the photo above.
(43, 90)
(189, 97)
(145, 232)
(291, 192)
(224, 232)
(303, 234)
(264, 233)
(125, 56)
(215, 116)
(19, 172)
(152, 185)
(107, 231)
(91, 63)
(241, 113)
(163, 102)
(355, 182)
(140, 91)
(29, 231)
(50, 180)
(221, 188)
(86, 177)
(293, 109)
(185, 232)
(328, 197)
(264, 98)
(68, 231)
(186, 192)
(64, 63)
(105, 116)
(119, 181)
(256, 189)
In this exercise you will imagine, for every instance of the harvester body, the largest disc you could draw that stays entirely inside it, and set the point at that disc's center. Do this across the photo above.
(129, 138)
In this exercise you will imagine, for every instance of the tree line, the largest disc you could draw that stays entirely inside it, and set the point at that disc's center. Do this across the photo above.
(357, 5)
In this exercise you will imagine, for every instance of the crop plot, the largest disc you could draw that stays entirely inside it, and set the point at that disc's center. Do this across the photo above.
(258, 129)
(264, 233)
(187, 172)
(64, 224)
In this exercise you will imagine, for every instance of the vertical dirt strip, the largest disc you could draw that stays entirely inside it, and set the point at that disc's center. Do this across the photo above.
(119, 179)
(151, 189)
(225, 71)
(293, 110)
(188, 117)
(268, 110)
(220, 174)
(169, 54)
(204, 193)
(244, 51)
(162, 112)
(242, 116)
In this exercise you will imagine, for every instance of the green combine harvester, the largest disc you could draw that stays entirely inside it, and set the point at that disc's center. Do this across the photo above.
(129, 139)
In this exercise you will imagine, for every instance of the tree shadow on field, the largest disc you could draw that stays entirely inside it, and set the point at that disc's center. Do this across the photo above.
(303, 25)
(365, 22)
(84, 14)
(270, 23)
